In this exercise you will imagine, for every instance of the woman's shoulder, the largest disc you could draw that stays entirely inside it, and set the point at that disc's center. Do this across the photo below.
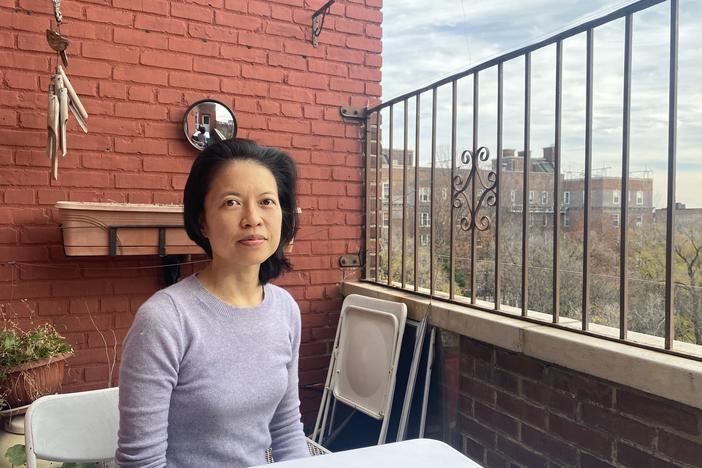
(281, 295)
(283, 301)
(164, 304)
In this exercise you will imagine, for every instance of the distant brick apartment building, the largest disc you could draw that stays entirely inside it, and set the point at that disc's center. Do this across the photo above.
(605, 202)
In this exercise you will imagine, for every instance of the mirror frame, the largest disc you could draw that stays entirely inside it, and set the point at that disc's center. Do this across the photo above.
(194, 105)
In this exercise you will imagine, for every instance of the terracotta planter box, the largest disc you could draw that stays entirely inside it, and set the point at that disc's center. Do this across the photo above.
(26, 382)
(123, 229)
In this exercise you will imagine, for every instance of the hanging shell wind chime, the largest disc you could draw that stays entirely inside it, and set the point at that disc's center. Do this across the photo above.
(62, 97)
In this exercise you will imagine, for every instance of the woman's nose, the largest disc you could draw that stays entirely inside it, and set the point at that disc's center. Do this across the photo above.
(252, 216)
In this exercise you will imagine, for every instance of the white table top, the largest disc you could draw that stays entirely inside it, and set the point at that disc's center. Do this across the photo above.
(417, 453)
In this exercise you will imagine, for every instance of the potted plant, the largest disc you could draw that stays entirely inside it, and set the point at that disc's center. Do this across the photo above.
(32, 363)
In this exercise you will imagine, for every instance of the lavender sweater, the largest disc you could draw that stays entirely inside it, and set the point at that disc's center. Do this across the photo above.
(205, 384)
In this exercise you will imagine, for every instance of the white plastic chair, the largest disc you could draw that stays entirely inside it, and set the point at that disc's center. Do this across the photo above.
(364, 360)
(74, 427)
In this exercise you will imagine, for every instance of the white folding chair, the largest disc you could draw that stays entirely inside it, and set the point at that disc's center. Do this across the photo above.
(312, 447)
(73, 427)
(364, 360)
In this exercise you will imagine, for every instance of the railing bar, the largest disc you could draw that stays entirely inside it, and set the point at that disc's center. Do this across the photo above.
(431, 192)
(454, 111)
(525, 188)
(404, 193)
(416, 192)
(476, 160)
(366, 201)
(588, 176)
(614, 15)
(672, 147)
(454, 262)
(624, 194)
(498, 202)
(558, 326)
(556, 306)
(378, 201)
(390, 142)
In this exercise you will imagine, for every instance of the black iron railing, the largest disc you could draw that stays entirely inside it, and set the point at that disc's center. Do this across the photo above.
(479, 179)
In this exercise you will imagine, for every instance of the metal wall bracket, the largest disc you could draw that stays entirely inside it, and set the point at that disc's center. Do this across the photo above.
(170, 263)
(350, 112)
(112, 236)
(350, 260)
(171, 268)
(317, 23)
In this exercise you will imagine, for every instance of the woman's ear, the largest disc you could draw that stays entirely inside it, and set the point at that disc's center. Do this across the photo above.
(203, 226)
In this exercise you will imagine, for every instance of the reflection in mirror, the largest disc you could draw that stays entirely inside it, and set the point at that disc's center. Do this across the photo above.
(207, 122)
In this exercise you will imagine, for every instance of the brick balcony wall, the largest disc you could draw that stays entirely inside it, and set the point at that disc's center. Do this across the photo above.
(514, 410)
(137, 65)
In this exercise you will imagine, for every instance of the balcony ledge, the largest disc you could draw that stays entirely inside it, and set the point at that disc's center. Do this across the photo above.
(667, 376)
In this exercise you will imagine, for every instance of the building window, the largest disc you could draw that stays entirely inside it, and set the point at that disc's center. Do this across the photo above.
(639, 220)
(566, 220)
(566, 198)
(386, 190)
(513, 196)
(424, 194)
(424, 240)
(531, 219)
(615, 197)
(385, 219)
(544, 198)
(615, 220)
(545, 220)
(424, 219)
(531, 196)
(639, 197)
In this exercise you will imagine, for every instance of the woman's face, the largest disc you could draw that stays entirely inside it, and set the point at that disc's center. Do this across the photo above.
(242, 218)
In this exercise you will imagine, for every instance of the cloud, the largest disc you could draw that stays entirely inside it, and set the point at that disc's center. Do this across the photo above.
(425, 43)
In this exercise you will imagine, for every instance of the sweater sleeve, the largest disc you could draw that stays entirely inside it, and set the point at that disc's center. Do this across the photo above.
(148, 374)
(288, 437)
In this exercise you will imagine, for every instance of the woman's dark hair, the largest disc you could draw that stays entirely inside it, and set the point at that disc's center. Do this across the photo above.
(205, 169)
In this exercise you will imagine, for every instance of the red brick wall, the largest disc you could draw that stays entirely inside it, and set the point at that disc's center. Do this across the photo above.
(515, 409)
(137, 65)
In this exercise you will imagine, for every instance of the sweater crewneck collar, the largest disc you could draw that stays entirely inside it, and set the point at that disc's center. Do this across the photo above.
(218, 304)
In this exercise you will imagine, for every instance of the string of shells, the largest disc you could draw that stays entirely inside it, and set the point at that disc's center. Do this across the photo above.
(62, 97)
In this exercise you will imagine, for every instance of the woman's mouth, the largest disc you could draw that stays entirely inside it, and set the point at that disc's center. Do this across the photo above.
(252, 241)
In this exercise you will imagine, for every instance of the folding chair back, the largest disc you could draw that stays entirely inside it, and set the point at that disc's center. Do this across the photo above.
(364, 361)
(73, 427)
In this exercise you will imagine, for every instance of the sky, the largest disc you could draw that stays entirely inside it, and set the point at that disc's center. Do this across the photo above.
(426, 41)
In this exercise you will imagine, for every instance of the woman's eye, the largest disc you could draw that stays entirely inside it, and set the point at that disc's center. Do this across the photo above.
(268, 202)
(230, 202)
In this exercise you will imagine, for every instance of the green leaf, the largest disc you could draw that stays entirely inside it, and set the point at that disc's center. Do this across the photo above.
(10, 341)
(15, 455)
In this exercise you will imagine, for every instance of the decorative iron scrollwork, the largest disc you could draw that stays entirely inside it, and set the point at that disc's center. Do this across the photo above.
(486, 192)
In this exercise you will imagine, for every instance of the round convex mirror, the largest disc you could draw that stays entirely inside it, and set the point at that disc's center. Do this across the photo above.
(207, 122)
